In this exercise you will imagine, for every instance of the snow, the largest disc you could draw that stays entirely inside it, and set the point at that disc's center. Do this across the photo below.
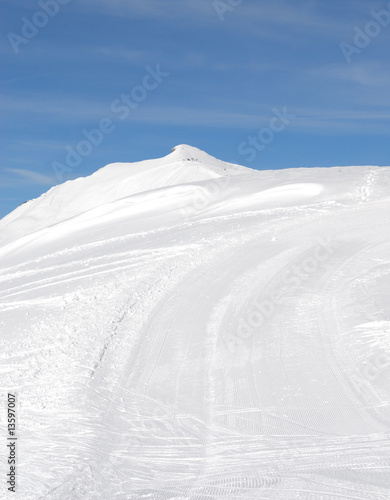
(184, 328)
(116, 181)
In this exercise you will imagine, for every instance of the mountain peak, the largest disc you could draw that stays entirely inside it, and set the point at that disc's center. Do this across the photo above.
(184, 152)
(186, 149)
(184, 165)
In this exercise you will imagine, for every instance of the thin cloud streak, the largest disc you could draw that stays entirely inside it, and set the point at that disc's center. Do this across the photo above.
(365, 73)
(81, 114)
(31, 176)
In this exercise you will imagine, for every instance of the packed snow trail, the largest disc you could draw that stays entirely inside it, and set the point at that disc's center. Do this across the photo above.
(222, 337)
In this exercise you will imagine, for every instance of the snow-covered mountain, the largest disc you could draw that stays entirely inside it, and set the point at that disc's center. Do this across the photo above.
(184, 328)
(110, 184)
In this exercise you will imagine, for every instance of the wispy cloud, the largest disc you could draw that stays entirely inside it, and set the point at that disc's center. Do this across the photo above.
(59, 110)
(268, 18)
(261, 19)
(309, 120)
(162, 9)
(30, 176)
(364, 73)
(307, 14)
(89, 52)
(81, 113)
(23, 78)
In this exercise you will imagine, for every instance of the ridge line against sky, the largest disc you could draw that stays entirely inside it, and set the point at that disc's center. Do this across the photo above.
(229, 68)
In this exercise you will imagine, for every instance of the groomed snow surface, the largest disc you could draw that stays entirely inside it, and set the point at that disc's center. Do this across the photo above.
(183, 328)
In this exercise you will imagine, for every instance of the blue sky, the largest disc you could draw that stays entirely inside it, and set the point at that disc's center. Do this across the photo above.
(226, 72)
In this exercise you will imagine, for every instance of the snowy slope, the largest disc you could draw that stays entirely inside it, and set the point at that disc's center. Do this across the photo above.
(111, 183)
(183, 328)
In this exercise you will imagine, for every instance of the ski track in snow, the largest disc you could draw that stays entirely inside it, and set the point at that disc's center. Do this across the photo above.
(153, 360)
